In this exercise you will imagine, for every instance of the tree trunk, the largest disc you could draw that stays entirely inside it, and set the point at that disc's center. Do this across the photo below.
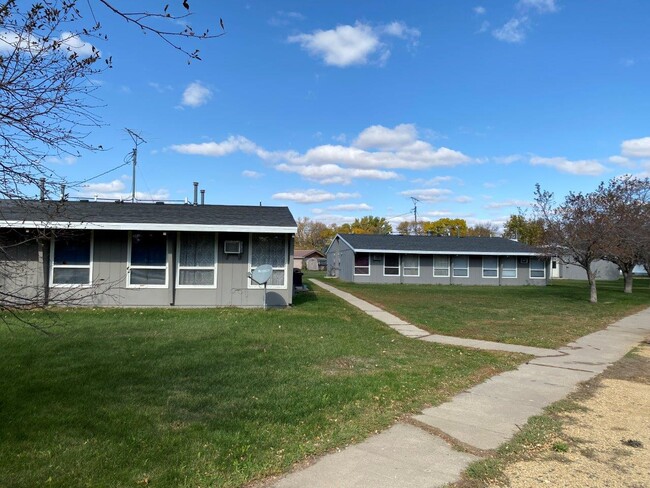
(593, 293)
(628, 278)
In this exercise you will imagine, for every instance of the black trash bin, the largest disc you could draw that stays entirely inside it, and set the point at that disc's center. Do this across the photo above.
(297, 277)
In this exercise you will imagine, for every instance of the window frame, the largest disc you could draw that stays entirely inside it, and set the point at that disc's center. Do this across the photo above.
(213, 268)
(495, 268)
(530, 269)
(130, 266)
(416, 268)
(454, 268)
(88, 266)
(355, 267)
(269, 286)
(448, 267)
(504, 269)
(398, 267)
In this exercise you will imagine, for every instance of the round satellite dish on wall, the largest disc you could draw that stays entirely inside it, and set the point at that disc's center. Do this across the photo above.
(262, 274)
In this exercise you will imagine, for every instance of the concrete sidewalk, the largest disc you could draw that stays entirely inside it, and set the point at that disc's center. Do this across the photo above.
(418, 453)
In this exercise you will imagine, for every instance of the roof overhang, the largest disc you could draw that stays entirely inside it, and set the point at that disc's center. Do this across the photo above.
(264, 229)
(459, 252)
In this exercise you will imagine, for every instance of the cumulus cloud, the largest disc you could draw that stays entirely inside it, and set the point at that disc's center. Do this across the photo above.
(219, 149)
(312, 196)
(67, 41)
(357, 44)
(513, 31)
(375, 154)
(636, 148)
(512, 158)
(196, 94)
(585, 167)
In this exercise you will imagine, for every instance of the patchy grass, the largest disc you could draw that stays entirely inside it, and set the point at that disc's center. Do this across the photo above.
(218, 397)
(549, 316)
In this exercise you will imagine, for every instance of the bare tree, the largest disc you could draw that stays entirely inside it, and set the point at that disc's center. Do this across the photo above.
(575, 228)
(312, 234)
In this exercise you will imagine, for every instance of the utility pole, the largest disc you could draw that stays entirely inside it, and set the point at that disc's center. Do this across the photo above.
(137, 140)
(415, 213)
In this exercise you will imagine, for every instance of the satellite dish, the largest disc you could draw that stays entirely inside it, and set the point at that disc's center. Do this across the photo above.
(262, 274)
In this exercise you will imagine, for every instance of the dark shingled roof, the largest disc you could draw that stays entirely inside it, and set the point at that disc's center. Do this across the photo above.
(436, 245)
(144, 213)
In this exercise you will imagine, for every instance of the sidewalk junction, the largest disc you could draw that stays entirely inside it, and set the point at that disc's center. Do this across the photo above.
(419, 453)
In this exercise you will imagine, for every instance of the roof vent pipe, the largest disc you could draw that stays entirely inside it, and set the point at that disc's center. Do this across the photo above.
(41, 185)
(202, 197)
(63, 192)
(196, 192)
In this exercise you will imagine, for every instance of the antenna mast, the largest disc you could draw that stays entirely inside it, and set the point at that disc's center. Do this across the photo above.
(415, 213)
(137, 140)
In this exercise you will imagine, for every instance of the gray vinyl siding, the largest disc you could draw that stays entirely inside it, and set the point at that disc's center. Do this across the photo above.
(568, 270)
(109, 277)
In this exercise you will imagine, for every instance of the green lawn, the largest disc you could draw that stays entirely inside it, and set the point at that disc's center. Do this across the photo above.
(549, 316)
(219, 397)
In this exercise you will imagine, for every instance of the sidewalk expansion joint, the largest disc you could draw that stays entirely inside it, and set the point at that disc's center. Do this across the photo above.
(454, 443)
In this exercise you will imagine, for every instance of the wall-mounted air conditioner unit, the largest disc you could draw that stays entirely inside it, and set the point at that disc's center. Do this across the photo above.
(523, 260)
(233, 247)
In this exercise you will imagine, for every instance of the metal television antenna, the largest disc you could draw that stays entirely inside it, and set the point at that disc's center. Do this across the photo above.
(261, 275)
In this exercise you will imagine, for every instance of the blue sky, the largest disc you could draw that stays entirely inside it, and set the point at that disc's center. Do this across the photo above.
(341, 109)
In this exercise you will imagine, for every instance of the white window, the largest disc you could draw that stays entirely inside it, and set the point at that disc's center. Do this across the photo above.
(490, 267)
(71, 260)
(197, 263)
(270, 249)
(361, 263)
(147, 266)
(460, 266)
(508, 267)
(441, 266)
(411, 265)
(391, 264)
(537, 268)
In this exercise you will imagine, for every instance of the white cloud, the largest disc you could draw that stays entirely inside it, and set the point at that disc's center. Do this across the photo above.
(67, 41)
(428, 194)
(621, 161)
(335, 174)
(508, 203)
(435, 181)
(117, 190)
(251, 174)
(399, 148)
(479, 10)
(218, 149)
(196, 94)
(66, 160)
(540, 6)
(513, 31)
(587, 167)
(636, 148)
(380, 137)
(312, 196)
(351, 207)
(512, 158)
(464, 199)
(348, 45)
